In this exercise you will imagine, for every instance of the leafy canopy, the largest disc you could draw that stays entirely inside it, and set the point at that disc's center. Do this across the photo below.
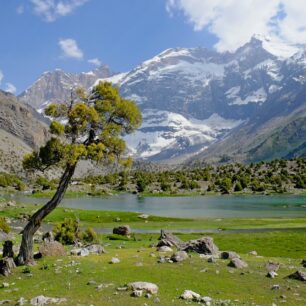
(88, 127)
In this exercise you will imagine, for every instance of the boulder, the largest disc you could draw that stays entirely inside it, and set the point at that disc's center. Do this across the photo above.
(53, 248)
(204, 245)
(271, 266)
(167, 239)
(298, 275)
(304, 262)
(190, 295)
(7, 265)
(79, 252)
(164, 249)
(179, 256)
(114, 260)
(95, 249)
(237, 263)
(123, 230)
(43, 300)
(229, 255)
(144, 286)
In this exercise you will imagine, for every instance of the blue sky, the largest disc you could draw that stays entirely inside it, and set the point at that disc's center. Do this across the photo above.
(119, 33)
(77, 35)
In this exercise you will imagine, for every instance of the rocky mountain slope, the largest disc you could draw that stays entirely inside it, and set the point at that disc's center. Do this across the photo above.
(21, 131)
(195, 100)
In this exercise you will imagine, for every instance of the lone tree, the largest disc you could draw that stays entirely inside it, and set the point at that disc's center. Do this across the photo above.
(93, 128)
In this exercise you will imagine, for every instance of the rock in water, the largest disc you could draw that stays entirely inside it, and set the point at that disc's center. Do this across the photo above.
(204, 245)
(298, 275)
(144, 286)
(179, 256)
(123, 230)
(237, 263)
(53, 248)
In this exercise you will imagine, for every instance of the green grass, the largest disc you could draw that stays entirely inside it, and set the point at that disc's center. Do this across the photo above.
(62, 279)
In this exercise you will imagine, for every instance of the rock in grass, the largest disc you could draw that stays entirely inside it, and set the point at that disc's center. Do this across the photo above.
(304, 262)
(114, 260)
(204, 245)
(271, 266)
(229, 255)
(43, 300)
(137, 293)
(237, 263)
(253, 253)
(179, 256)
(144, 286)
(79, 252)
(272, 274)
(53, 248)
(298, 275)
(7, 265)
(95, 249)
(164, 249)
(190, 295)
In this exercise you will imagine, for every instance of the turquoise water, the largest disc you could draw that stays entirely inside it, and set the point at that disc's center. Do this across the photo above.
(251, 206)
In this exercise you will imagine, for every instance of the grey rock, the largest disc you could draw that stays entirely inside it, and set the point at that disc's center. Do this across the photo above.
(237, 263)
(95, 249)
(43, 300)
(272, 274)
(271, 266)
(114, 260)
(229, 255)
(253, 253)
(144, 286)
(204, 245)
(298, 275)
(179, 256)
(79, 252)
(137, 293)
(123, 230)
(164, 249)
(190, 295)
(52, 248)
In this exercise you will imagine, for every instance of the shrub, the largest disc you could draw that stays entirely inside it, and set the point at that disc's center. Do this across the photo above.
(89, 235)
(4, 226)
(67, 231)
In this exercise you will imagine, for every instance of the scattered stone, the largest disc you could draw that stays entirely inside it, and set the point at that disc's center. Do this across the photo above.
(237, 263)
(179, 256)
(91, 283)
(204, 245)
(275, 287)
(95, 249)
(122, 288)
(157, 300)
(190, 295)
(117, 219)
(7, 265)
(167, 239)
(298, 275)
(152, 255)
(22, 301)
(271, 266)
(304, 262)
(211, 259)
(114, 260)
(79, 252)
(164, 249)
(229, 255)
(5, 285)
(43, 300)
(143, 216)
(253, 253)
(123, 230)
(148, 295)
(137, 293)
(144, 286)
(164, 259)
(52, 248)
(272, 274)
(5, 302)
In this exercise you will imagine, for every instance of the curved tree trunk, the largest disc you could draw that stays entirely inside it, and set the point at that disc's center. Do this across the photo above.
(25, 256)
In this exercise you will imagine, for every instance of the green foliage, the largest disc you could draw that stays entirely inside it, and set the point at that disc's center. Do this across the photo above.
(4, 226)
(45, 183)
(57, 128)
(10, 180)
(67, 232)
(89, 235)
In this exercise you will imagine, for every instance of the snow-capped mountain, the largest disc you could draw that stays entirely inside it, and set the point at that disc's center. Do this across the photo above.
(192, 98)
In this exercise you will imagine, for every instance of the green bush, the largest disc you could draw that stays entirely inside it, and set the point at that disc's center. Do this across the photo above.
(4, 226)
(67, 232)
(89, 235)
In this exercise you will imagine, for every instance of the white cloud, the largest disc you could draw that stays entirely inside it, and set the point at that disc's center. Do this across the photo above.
(20, 9)
(95, 61)
(70, 48)
(235, 21)
(9, 87)
(1, 76)
(50, 10)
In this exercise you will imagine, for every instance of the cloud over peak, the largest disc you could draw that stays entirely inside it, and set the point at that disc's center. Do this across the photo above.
(70, 48)
(235, 21)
